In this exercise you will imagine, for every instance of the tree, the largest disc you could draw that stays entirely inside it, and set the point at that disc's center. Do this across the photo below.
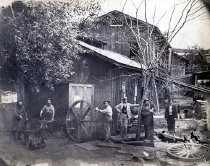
(149, 46)
(41, 40)
(154, 52)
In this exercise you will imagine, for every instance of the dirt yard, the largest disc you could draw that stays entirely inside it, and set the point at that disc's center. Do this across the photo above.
(63, 152)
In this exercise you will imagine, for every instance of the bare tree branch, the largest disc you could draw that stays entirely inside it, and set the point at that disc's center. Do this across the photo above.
(169, 25)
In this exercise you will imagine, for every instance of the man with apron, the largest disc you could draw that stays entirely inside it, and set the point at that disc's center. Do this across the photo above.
(124, 108)
(108, 114)
(48, 111)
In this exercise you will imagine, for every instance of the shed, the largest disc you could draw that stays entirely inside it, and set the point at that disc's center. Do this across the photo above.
(100, 75)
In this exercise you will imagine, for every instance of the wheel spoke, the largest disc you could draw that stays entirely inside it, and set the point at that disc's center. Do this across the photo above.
(198, 156)
(76, 119)
(78, 132)
(74, 112)
(188, 154)
(197, 153)
(192, 155)
(86, 112)
(186, 146)
(84, 129)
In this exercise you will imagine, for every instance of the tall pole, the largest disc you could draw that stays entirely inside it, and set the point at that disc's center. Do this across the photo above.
(145, 91)
(156, 93)
(135, 91)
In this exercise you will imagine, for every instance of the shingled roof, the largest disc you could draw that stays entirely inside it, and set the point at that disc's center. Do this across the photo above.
(113, 57)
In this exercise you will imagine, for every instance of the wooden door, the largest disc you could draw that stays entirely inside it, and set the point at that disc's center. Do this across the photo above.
(81, 92)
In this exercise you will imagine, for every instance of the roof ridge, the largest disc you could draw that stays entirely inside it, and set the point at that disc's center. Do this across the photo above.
(127, 15)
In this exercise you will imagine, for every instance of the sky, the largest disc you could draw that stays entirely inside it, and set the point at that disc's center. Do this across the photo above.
(195, 32)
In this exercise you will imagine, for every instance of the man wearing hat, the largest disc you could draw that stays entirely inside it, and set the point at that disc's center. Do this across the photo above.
(124, 108)
(170, 116)
(147, 119)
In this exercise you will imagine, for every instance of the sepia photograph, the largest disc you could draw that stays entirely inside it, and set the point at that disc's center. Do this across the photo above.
(104, 82)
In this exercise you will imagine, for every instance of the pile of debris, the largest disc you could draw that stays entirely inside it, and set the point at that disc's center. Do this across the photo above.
(193, 137)
(201, 109)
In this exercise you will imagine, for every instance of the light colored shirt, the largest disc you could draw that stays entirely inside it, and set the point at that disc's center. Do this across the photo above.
(170, 110)
(107, 110)
(128, 108)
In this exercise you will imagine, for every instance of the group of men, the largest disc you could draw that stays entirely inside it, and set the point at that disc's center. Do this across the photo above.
(125, 115)
(124, 112)
(21, 118)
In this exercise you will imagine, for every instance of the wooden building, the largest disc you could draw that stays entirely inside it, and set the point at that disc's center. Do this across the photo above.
(112, 31)
(100, 75)
(108, 70)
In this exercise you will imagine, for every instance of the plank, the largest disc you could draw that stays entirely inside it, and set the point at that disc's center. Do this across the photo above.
(119, 139)
(107, 144)
(87, 146)
(139, 143)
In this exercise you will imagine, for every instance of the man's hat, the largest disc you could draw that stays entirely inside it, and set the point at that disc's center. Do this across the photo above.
(146, 99)
(124, 98)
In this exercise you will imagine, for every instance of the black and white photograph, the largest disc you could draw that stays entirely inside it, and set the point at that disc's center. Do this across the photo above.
(104, 82)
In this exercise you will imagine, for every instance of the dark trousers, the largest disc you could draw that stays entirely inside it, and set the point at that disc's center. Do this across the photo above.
(21, 129)
(147, 121)
(148, 131)
(171, 124)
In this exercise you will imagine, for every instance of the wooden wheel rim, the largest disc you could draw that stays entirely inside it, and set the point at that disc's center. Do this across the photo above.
(76, 120)
(186, 152)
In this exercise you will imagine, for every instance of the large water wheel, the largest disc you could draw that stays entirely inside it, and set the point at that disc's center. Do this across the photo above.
(80, 121)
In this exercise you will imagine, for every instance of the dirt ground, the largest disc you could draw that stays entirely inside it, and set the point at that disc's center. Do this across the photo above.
(58, 152)
(63, 152)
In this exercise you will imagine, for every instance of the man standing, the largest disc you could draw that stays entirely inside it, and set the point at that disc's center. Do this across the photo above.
(124, 108)
(20, 121)
(147, 120)
(48, 111)
(170, 116)
(108, 113)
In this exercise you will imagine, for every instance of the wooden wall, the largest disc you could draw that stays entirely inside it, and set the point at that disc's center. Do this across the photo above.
(106, 77)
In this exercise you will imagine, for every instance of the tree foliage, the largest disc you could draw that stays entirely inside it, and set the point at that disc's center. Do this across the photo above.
(42, 39)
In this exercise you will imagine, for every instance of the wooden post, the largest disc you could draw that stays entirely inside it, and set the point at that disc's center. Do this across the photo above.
(123, 90)
(135, 91)
(169, 57)
(196, 79)
(207, 97)
(156, 93)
